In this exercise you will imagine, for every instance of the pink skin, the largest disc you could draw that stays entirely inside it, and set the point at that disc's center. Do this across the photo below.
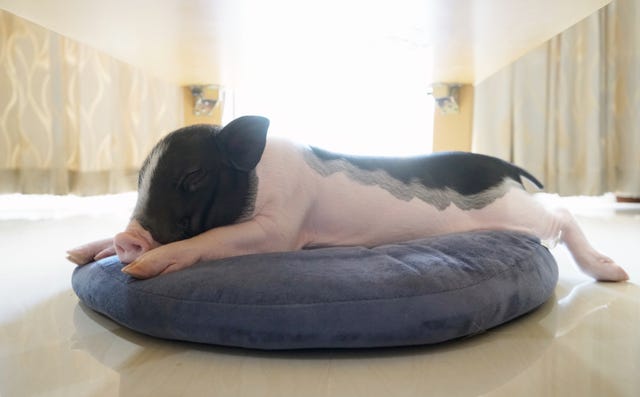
(91, 252)
(133, 242)
(254, 236)
(135, 247)
(154, 259)
(128, 245)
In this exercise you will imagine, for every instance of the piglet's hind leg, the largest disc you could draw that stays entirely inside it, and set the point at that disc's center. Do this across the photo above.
(589, 260)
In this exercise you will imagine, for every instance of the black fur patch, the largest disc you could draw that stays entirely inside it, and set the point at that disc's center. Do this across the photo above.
(465, 173)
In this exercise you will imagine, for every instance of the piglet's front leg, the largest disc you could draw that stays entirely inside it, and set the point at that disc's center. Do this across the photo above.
(250, 237)
(90, 252)
(165, 259)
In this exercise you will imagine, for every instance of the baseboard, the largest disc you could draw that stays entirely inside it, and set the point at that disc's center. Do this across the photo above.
(622, 199)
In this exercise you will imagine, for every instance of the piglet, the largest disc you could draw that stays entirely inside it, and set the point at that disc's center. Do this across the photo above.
(206, 192)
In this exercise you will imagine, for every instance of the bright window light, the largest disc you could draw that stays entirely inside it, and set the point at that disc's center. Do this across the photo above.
(346, 76)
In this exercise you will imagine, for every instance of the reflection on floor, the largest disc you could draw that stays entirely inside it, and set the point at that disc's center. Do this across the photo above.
(583, 342)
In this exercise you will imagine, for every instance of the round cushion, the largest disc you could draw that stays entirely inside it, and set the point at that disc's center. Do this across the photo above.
(418, 292)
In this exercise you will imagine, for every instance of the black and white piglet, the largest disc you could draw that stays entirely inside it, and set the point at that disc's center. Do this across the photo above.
(207, 193)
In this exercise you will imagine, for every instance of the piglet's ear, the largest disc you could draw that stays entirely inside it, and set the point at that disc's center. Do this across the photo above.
(244, 140)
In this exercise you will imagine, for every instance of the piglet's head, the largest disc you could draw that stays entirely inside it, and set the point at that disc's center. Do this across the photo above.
(195, 179)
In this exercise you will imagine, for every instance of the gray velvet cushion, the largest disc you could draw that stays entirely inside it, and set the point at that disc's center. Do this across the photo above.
(418, 292)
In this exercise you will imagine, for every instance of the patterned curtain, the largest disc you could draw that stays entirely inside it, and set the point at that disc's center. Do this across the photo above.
(72, 119)
(568, 111)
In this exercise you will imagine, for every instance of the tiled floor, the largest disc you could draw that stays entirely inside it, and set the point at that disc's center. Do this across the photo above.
(584, 342)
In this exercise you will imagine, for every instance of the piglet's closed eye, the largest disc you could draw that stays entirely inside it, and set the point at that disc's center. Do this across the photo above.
(193, 180)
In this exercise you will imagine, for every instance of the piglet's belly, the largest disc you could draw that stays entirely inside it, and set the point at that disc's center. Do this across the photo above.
(369, 216)
(379, 225)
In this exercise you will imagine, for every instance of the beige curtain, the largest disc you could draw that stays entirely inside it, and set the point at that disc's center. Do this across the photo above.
(570, 110)
(72, 119)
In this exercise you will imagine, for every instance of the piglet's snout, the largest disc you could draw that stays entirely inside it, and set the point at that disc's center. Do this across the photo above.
(133, 242)
(129, 247)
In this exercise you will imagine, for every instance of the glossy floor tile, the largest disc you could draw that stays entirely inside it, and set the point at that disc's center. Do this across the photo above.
(584, 342)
